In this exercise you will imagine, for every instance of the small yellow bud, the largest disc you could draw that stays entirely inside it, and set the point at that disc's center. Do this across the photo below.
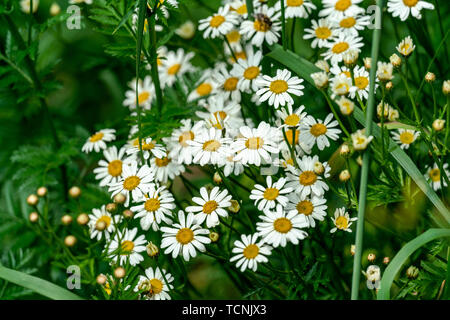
(128, 214)
(119, 272)
(389, 85)
(34, 217)
(359, 160)
(152, 250)
(371, 257)
(100, 225)
(214, 236)
(344, 175)
(395, 60)
(42, 192)
(438, 124)
(83, 219)
(430, 77)
(235, 207)
(120, 198)
(101, 279)
(66, 219)
(55, 9)
(32, 200)
(352, 249)
(319, 168)
(74, 192)
(344, 150)
(111, 207)
(367, 63)
(70, 241)
(386, 260)
(446, 87)
(217, 178)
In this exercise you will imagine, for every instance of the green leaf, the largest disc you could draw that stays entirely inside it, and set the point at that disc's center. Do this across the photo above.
(38, 285)
(396, 264)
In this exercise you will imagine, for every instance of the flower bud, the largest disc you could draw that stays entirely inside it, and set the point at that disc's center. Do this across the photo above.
(320, 79)
(217, 178)
(42, 192)
(120, 198)
(446, 87)
(101, 279)
(214, 236)
(344, 175)
(373, 273)
(389, 85)
(128, 214)
(55, 9)
(83, 219)
(32, 200)
(319, 168)
(371, 257)
(74, 192)
(152, 250)
(70, 241)
(34, 217)
(344, 150)
(352, 249)
(395, 60)
(430, 77)
(359, 160)
(367, 63)
(438, 124)
(350, 57)
(386, 260)
(111, 207)
(412, 272)
(235, 207)
(119, 272)
(186, 30)
(323, 65)
(100, 225)
(66, 219)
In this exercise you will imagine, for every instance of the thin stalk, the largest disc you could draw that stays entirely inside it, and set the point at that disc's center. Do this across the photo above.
(283, 25)
(447, 122)
(249, 4)
(366, 161)
(154, 65)
(330, 104)
(229, 48)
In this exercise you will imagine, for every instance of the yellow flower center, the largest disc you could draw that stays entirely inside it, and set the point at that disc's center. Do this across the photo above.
(289, 137)
(292, 120)
(262, 25)
(278, 86)
(323, 32)
(233, 36)
(230, 84)
(251, 73)
(174, 69)
(185, 235)
(143, 97)
(342, 5)
(152, 205)
(307, 178)
(341, 222)
(242, 9)
(163, 162)
(361, 82)
(282, 225)
(340, 47)
(435, 175)
(318, 129)
(294, 3)
(185, 136)
(220, 114)
(347, 22)
(115, 168)
(216, 21)
(211, 145)
(127, 246)
(251, 251)
(131, 183)
(156, 286)
(96, 137)
(305, 207)
(210, 206)
(254, 143)
(347, 73)
(410, 3)
(204, 89)
(105, 219)
(406, 137)
(240, 55)
(145, 146)
(271, 193)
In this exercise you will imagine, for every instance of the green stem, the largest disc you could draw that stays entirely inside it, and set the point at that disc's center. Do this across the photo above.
(154, 65)
(249, 4)
(330, 104)
(283, 25)
(366, 159)
(229, 47)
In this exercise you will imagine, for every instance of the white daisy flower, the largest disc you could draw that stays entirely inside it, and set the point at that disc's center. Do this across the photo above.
(406, 46)
(340, 45)
(384, 71)
(98, 140)
(304, 180)
(248, 71)
(111, 169)
(232, 167)
(218, 24)
(336, 9)
(277, 90)
(405, 137)
(320, 79)
(352, 25)
(342, 220)
(239, 7)
(268, 197)
(134, 182)
(227, 84)
(345, 105)
(340, 85)
(360, 140)
(338, 70)
(278, 227)
(321, 31)
(101, 215)
(255, 144)
(222, 114)
(433, 175)
(156, 206)
(361, 83)
(184, 237)
(317, 131)
(291, 118)
(146, 93)
(153, 285)
(125, 246)
(312, 208)
(164, 168)
(249, 252)
(296, 8)
(174, 66)
(265, 27)
(402, 8)
(210, 206)
(208, 147)
(149, 148)
(205, 87)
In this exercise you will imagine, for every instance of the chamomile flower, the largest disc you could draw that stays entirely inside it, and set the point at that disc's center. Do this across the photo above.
(277, 90)
(222, 114)
(156, 206)
(208, 147)
(268, 197)
(164, 168)
(26, 4)
(218, 24)
(249, 252)
(433, 175)
(205, 87)
(126, 246)
(342, 220)
(111, 169)
(146, 93)
(405, 137)
(402, 8)
(265, 27)
(313, 208)
(291, 118)
(179, 149)
(321, 31)
(232, 167)
(240, 8)
(98, 140)
(360, 140)
(153, 285)
(339, 70)
(227, 84)
(296, 8)
(352, 25)
(317, 131)
(210, 206)
(406, 46)
(361, 83)
(336, 9)
(304, 180)
(340, 85)
(134, 183)
(278, 227)
(101, 215)
(320, 79)
(345, 105)
(184, 237)
(339, 45)
(387, 111)
(149, 148)
(255, 144)
(174, 66)
(248, 71)
(384, 71)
